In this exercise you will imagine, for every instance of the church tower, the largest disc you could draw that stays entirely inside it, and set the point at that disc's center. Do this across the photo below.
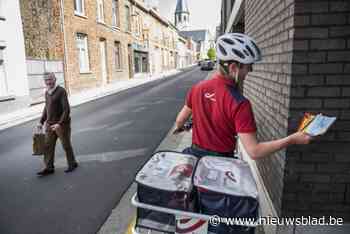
(182, 15)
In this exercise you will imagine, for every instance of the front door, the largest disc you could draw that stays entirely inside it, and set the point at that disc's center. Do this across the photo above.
(103, 61)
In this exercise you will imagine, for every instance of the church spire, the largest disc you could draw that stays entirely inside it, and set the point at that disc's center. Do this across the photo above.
(182, 15)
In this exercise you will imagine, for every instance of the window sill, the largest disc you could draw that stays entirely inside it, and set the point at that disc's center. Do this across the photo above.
(116, 28)
(119, 70)
(2, 18)
(85, 72)
(80, 15)
(101, 22)
(7, 98)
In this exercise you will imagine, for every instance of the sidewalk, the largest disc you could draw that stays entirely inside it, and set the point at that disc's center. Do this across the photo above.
(30, 113)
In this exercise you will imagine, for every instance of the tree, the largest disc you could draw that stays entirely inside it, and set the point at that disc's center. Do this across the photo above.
(211, 54)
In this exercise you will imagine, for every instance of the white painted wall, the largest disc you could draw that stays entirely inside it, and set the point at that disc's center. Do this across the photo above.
(14, 53)
(182, 50)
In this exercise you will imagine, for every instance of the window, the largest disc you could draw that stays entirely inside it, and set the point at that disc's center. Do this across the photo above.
(127, 20)
(100, 11)
(83, 53)
(117, 55)
(137, 24)
(115, 12)
(140, 25)
(79, 7)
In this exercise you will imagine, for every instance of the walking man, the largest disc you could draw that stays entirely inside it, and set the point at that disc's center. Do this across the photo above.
(56, 117)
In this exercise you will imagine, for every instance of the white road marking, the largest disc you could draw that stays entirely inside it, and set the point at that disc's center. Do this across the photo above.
(103, 157)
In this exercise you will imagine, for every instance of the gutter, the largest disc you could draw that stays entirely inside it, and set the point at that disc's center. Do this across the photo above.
(65, 56)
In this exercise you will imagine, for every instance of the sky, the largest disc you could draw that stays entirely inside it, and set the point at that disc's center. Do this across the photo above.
(204, 14)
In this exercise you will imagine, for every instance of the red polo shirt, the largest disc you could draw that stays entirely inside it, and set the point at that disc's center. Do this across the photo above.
(219, 112)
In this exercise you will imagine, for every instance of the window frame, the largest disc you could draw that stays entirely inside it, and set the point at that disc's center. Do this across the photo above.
(128, 18)
(118, 56)
(100, 10)
(76, 12)
(115, 13)
(86, 68)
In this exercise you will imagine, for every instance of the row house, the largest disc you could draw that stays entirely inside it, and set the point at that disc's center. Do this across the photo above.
(182, 52)
(92, 43)
(14, 90)
(87, 43)
(140, 45)
(162, 44)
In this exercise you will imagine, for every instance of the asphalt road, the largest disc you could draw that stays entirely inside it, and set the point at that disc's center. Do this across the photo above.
(112, 138)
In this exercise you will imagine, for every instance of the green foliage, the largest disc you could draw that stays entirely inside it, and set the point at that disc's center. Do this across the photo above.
(211, 54)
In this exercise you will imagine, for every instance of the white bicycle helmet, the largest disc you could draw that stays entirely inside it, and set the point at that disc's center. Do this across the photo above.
(237, 47)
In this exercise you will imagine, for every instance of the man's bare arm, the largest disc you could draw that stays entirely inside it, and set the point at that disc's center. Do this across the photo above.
(258, 150)
(182, 117)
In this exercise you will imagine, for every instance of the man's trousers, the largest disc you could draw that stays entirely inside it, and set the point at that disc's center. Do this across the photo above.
(64, 134)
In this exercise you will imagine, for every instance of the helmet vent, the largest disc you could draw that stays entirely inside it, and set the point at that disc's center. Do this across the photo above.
(256, 48)
(241, 41)
(246, 52)
(250, 51)
(228, 41)
(238, 53)
(222, 50)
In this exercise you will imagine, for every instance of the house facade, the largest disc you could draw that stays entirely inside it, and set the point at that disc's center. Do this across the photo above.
(14, 86)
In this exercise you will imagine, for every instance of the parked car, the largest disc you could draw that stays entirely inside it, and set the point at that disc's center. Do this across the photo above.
(207, 65)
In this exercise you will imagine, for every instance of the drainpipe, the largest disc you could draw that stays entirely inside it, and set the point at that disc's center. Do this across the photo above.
(65, 56)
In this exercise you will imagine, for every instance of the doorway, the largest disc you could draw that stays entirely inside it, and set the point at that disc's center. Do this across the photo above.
(103, 61)
(130, 56)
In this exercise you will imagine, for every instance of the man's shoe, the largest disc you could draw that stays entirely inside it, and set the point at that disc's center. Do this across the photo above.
(46, 172)
(71, 168)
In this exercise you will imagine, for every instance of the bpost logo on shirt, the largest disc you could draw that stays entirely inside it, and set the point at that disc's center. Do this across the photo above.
(210, 96)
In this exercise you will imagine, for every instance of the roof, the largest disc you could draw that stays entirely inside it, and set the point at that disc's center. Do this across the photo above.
(182, 6)
(196, 35)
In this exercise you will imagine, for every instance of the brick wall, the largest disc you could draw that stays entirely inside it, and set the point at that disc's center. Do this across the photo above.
(42, 29)
(305, 67)
(268, 87)
(317, 177)
(43, 43)
(95, 31)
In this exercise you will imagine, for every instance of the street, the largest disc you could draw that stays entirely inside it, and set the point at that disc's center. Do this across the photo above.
(112, 137)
